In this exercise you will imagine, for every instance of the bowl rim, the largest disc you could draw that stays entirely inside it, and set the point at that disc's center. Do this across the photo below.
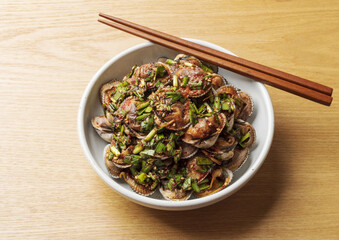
(162, 203)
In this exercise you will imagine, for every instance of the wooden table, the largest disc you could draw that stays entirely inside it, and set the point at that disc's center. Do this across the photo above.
(49, 50)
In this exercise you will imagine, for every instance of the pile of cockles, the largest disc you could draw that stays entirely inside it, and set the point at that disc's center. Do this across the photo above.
(175, 125)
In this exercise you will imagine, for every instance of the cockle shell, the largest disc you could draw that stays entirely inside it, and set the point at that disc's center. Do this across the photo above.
(207, 141)
(113, 170)
(239, 158)
(138, 188)
(103, 127)
(219, 172)
(175, 195)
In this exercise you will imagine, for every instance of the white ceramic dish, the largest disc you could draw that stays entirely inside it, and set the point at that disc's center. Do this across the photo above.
(262, 119)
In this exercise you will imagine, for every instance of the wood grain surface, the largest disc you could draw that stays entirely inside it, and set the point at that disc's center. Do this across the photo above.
(49, 50)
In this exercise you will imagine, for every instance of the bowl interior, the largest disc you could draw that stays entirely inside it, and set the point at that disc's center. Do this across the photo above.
(262, 119)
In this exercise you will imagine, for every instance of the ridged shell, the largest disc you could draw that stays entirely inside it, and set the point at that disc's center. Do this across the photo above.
(188, 150)
(194, 170)
(209, 141)
(247, 108)
(239, 158)
(215, 188)
(244, 128)
(175, 195)
(223, 149)
(113, 170)
(108, 86)
(138, 188)
(103, 127)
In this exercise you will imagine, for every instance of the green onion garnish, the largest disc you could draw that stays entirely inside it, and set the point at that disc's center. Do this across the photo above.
(138, 148)
(195, 186)
(184, 81)
(206, 69)
(204, 161)
(150, 135)
(160, 147)
(142, 117)
(193, 118)
(115, 151)
(225, 105)
(188, 64)
(141, 178)
(175, 81)
(170, 62)
(187, 183)
(217, 104)
(161, 71)
(245, 137)
(132, 71)
(148, 152)
(142, 105)
(203, 186)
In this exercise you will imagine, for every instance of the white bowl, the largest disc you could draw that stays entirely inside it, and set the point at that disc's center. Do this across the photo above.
(93, 146)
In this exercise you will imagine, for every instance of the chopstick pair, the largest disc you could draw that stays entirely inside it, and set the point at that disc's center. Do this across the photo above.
(284, 81)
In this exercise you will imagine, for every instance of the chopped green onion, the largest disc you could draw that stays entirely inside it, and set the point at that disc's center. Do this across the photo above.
(171, 184)
(122, 129)
(201, 108)
(138, 148)
(187, 183)
(159, 84)
(177, 155)
(160, 147)
(203, 186)
(148, 152)
(188, 64)
(171, 93)
(225, 106)
(184, 81)
(175, 81)
(148, 109)
(150, 135)
(206, 69)
(245, 137)
(195, 85)
(170, 62)
(112, 106)
(193, 107)
(142, 105)
(116, 96)
(193, 118)
(142, 117)
(132, 71)
(195, 186)
(110, 155)
(204, 161)
(217, 104)
(161, 71)
(146, 167)
(127, 159)
(141, 178)
(115, 151)
(124, 83)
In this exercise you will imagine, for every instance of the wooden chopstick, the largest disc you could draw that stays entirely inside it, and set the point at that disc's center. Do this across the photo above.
(263, 77)
(274, 72)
